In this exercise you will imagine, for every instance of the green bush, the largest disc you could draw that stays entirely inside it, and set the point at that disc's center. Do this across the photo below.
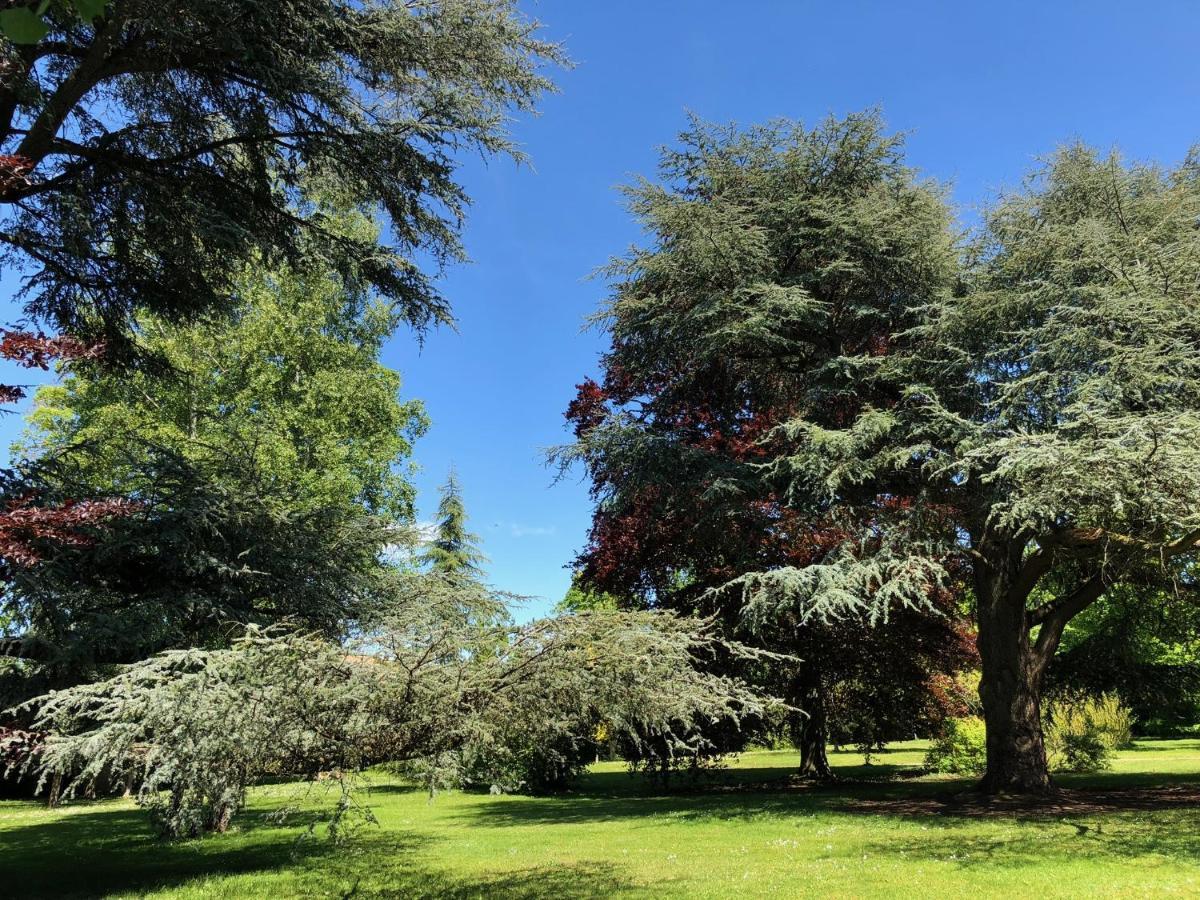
(1082, 732)
(961, 748)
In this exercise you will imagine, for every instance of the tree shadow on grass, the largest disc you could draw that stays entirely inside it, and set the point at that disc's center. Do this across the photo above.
(91, 851)
(1120, 836)
(886, 795)
(744, 803)
(105, 848)
(587, 881)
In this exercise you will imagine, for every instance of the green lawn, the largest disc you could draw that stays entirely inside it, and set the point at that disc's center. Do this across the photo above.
(755, 835)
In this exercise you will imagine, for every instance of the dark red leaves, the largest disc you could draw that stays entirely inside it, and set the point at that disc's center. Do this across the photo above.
(14, 172)
(37, 351)
(17, 746)
(589, 407)
(26, 528)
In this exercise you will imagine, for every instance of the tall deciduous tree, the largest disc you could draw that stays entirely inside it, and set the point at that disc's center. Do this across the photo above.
(783, 258)
(146, 148)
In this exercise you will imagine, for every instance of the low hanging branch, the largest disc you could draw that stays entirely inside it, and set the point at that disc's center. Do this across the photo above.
(439, 682)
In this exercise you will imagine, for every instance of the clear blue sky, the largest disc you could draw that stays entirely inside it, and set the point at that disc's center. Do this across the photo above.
(982, 88)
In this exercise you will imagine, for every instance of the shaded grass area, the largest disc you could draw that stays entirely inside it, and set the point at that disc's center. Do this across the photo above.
(882, 831)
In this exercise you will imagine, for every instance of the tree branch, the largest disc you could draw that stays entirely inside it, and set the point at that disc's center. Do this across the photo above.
(92, 69)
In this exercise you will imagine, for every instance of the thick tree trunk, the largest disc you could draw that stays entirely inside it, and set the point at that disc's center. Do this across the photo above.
(810, 732)
(814, 763)
(222, 815)
(1011, 685)
(54, 795)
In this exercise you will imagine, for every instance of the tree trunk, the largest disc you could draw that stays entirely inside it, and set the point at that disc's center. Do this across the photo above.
(222, 815)
(814, 763)
(54, 795)
(810, 732)
(1011, 685)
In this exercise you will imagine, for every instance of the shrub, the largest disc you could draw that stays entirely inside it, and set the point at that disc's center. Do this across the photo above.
(1114, 719)
(961, 748)
(1083, 732)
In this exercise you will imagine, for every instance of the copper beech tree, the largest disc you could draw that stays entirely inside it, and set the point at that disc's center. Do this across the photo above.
(1020, 411)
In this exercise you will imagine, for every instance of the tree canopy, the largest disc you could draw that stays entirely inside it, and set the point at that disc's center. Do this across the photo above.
(146, 149)
(1020, 408)
(425, 684)
(265, 474)
(825, 236)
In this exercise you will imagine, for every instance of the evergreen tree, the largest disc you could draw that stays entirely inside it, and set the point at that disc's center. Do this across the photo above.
(148, 148)
(452, 551)
(824, 235)
(1028, 421)
(462, 700)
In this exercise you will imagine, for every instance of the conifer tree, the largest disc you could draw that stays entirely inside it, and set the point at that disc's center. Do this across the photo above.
(147, 148)
(453, 550)
(267, 472)
(1024, 415)
(822, 232)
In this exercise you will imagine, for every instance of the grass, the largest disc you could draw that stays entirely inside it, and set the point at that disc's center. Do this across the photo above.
(754, 835)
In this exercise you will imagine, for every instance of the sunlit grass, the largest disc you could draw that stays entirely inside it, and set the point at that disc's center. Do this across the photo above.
(751, 834)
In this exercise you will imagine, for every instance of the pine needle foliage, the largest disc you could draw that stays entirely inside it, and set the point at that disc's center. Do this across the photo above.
(452, 550)
(146, 149)
(440, 679)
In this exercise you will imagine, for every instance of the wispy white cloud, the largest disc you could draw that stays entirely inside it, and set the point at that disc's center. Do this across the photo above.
(518, 530)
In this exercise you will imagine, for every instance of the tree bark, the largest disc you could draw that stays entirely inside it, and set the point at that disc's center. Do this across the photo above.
(810, 732)
(1011, 684)
(54, 795)
(222, 815)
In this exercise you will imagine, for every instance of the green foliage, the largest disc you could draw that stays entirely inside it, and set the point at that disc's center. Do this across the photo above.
(1082, 732)
(291, 386)
(438, 678)
(24, 23)
(269, 468)
(162, 145)
(1143, 643)
(1020, 410)
(1053, 380)
(961, 748)
(581, 598)
(452, 550)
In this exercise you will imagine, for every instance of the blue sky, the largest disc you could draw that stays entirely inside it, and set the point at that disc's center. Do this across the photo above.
(982, 89)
